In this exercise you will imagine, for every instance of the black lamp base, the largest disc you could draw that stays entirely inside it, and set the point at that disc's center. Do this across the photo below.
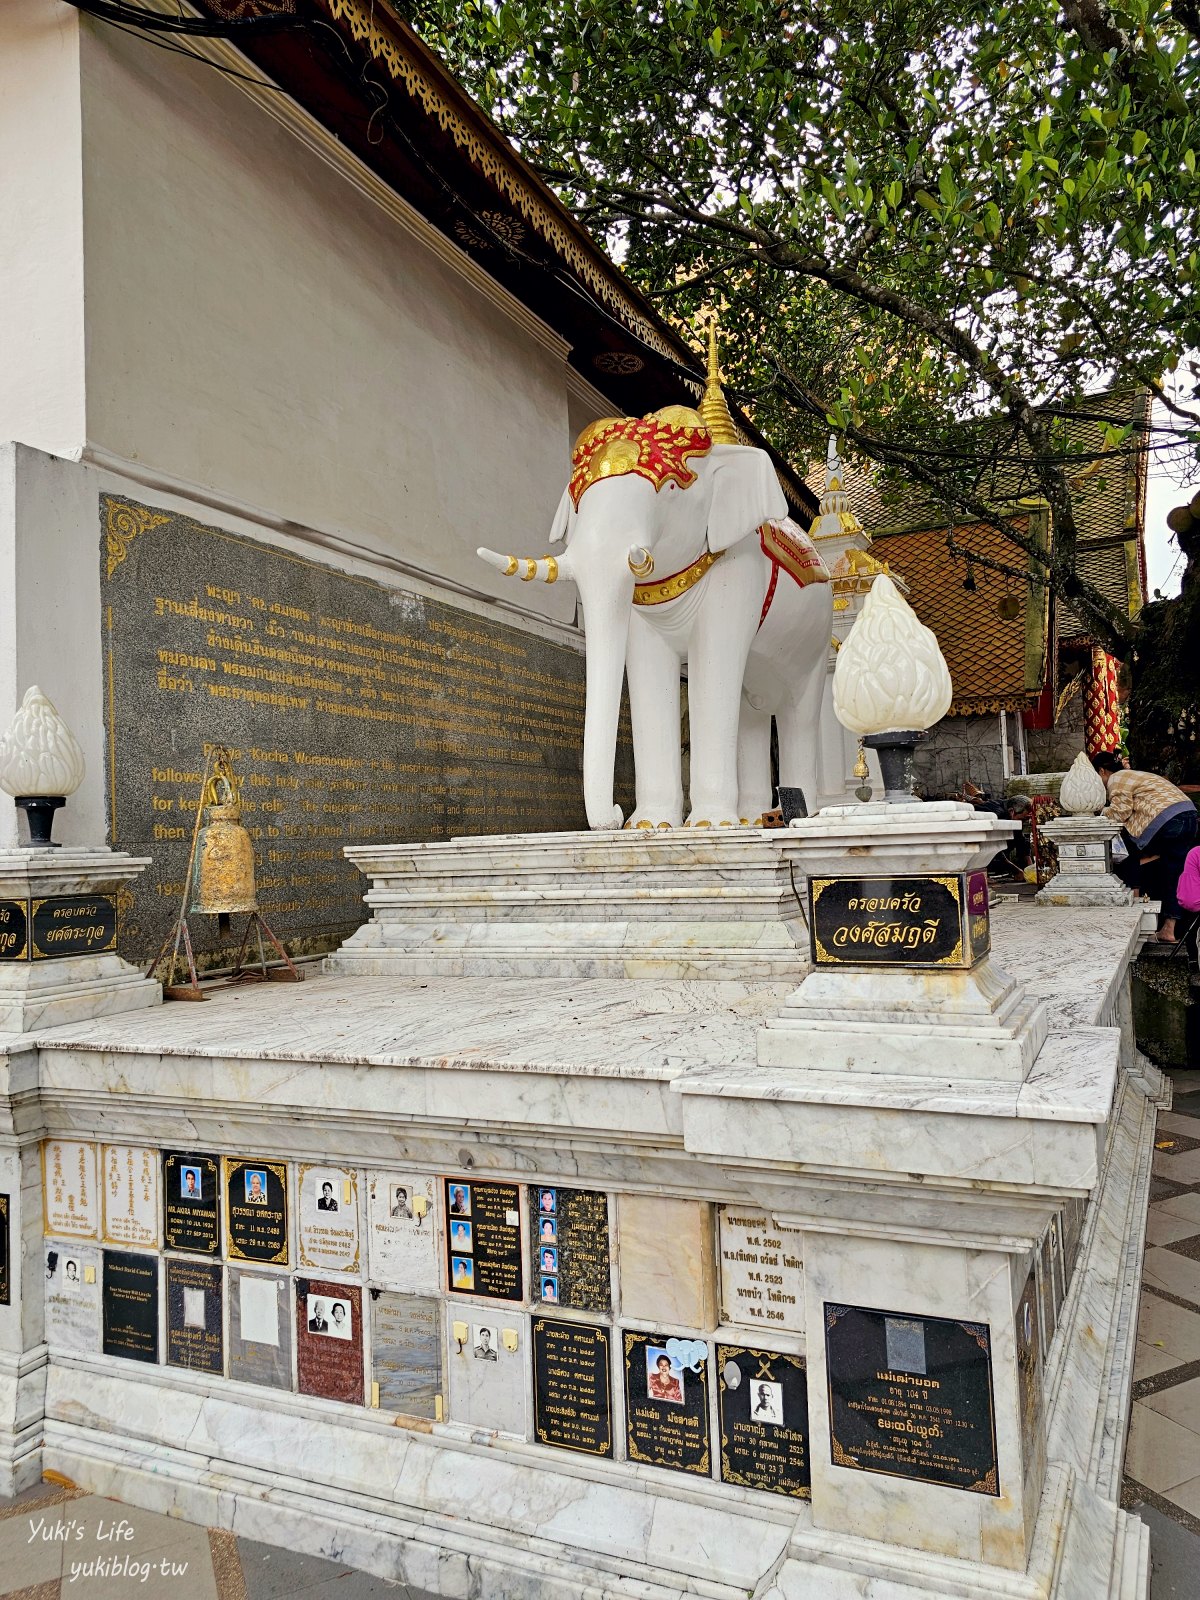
(39, 812)
(897, 753)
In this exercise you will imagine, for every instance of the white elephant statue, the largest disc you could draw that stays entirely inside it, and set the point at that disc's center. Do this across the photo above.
(681, 550)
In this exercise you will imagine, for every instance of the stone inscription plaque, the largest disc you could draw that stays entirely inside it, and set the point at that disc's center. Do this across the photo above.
(572, 1388)
(70, 1198)
(129, 1299)
(329, 1345)
(328, 1202)
(763, 1400)
(911, 1397)
(130, 1194)
(356, 713)
(72, 1294)
(406, 1353)
(569, 1241)
(483, 1239)
(256, 1222)
(666, 1402)
(762, 1271)
(73, 925)
(5, 1247)
(191, 1209)
(14, 930)
(260, 1335)
(402, 1248)
(1029, 1379)
(903, 922)
(194, 1316)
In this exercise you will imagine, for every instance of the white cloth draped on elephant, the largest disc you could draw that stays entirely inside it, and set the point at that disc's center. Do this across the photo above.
(682, 551)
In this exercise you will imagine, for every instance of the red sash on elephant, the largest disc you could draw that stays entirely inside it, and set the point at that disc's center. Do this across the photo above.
(792, 553)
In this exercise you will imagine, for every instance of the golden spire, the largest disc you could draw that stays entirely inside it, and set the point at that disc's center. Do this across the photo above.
(714, 413)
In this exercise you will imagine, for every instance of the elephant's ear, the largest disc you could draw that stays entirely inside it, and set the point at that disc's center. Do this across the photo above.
(745, 494)
(558, 528)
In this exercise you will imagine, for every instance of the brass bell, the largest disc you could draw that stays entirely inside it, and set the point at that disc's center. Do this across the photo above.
(223, 877)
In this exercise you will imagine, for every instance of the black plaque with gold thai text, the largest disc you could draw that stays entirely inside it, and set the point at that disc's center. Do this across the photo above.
(569, 1243)
(191, 1202)
(73, 925)
(256, 1210)
(14, 930)
(194, 1321)
(129, 1302)
(763, 1402)
(666, 1402)
(911, 1397)
(483, 1239)
(572, 1387)
(931, 921)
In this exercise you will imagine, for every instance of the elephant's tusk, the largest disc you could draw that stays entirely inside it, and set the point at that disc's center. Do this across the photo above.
(548, 568)
(641, 562)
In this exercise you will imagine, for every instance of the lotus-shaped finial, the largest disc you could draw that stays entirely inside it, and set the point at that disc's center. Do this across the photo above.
(1082, 792)
(39, 755)
(890, 674)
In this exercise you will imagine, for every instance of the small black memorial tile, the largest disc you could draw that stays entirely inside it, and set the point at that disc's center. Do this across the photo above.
(129, 1302)
(572, 1386)
(666, 1401)
(763, 1401)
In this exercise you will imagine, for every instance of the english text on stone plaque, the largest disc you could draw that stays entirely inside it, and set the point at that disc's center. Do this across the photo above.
(129, 1302)
(194, 1316)
(191, 1202)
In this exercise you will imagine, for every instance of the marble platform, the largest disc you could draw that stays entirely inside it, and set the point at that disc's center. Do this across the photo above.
(900, 1192)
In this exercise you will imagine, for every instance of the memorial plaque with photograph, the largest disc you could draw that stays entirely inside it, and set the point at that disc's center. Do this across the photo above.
(5, 1246)
(569, 1239)
(361, 712)
(72, 1297)
(402, 1246)
(487, 1367)
(406, 1352)
(911, 1397)
(328, 1201)
(130, 1194)
(256, 1210)
(329, 1342)
(762, 1398)
(191, 1210)
(572, 1386)
(1029, 1379)
(260, 1335)
(129, 1302)
(483, 1239)
(70, 1197)
(762, 1270)
(194, 1322)
(666, 1402)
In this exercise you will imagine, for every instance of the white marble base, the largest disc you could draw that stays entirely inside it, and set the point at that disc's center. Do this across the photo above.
(1085, 876)
(690, 903)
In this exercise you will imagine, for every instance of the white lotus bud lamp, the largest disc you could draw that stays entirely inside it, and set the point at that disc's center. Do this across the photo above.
(891, 683)
(1082, 792)
(40, 765)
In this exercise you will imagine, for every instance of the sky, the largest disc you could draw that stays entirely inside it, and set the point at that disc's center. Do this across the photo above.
(1163, 564)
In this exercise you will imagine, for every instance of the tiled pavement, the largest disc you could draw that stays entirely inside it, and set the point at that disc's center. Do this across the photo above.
(161, 1558)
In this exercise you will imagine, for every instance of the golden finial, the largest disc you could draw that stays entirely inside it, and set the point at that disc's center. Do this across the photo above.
(714, 413)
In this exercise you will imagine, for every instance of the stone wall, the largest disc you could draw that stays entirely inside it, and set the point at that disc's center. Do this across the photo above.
(958, 749)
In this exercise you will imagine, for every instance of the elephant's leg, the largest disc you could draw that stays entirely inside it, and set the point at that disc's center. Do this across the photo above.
(652, 668)
(717, 655)
(754, 763)
(799, 720)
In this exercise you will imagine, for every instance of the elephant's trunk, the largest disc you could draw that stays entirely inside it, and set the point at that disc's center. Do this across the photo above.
(548, 568)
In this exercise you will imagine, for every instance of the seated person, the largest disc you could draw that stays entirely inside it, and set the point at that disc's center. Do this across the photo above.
(1158, 825)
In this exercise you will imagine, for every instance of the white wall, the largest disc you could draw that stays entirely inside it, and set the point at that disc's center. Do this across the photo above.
(258, 326)
(41, 227)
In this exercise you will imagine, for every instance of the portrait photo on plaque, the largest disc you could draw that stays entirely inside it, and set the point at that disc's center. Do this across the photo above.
(572, 1386)
(483, 1239)
(911, 1397)
(403, 1249)
(328, 1206)
(130, 1194)
(329, 1343)
(129, 1305)
(666, 1401)
(569, 1247)
(72, 1296)
(260, 1333)
(70, 1193)
(487, 1369)
(256, 1210)
(406, 1352)
(191, 1202)
(194, 1316)
(762, 1403)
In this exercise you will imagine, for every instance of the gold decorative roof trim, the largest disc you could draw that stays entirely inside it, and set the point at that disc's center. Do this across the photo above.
(385, 48)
